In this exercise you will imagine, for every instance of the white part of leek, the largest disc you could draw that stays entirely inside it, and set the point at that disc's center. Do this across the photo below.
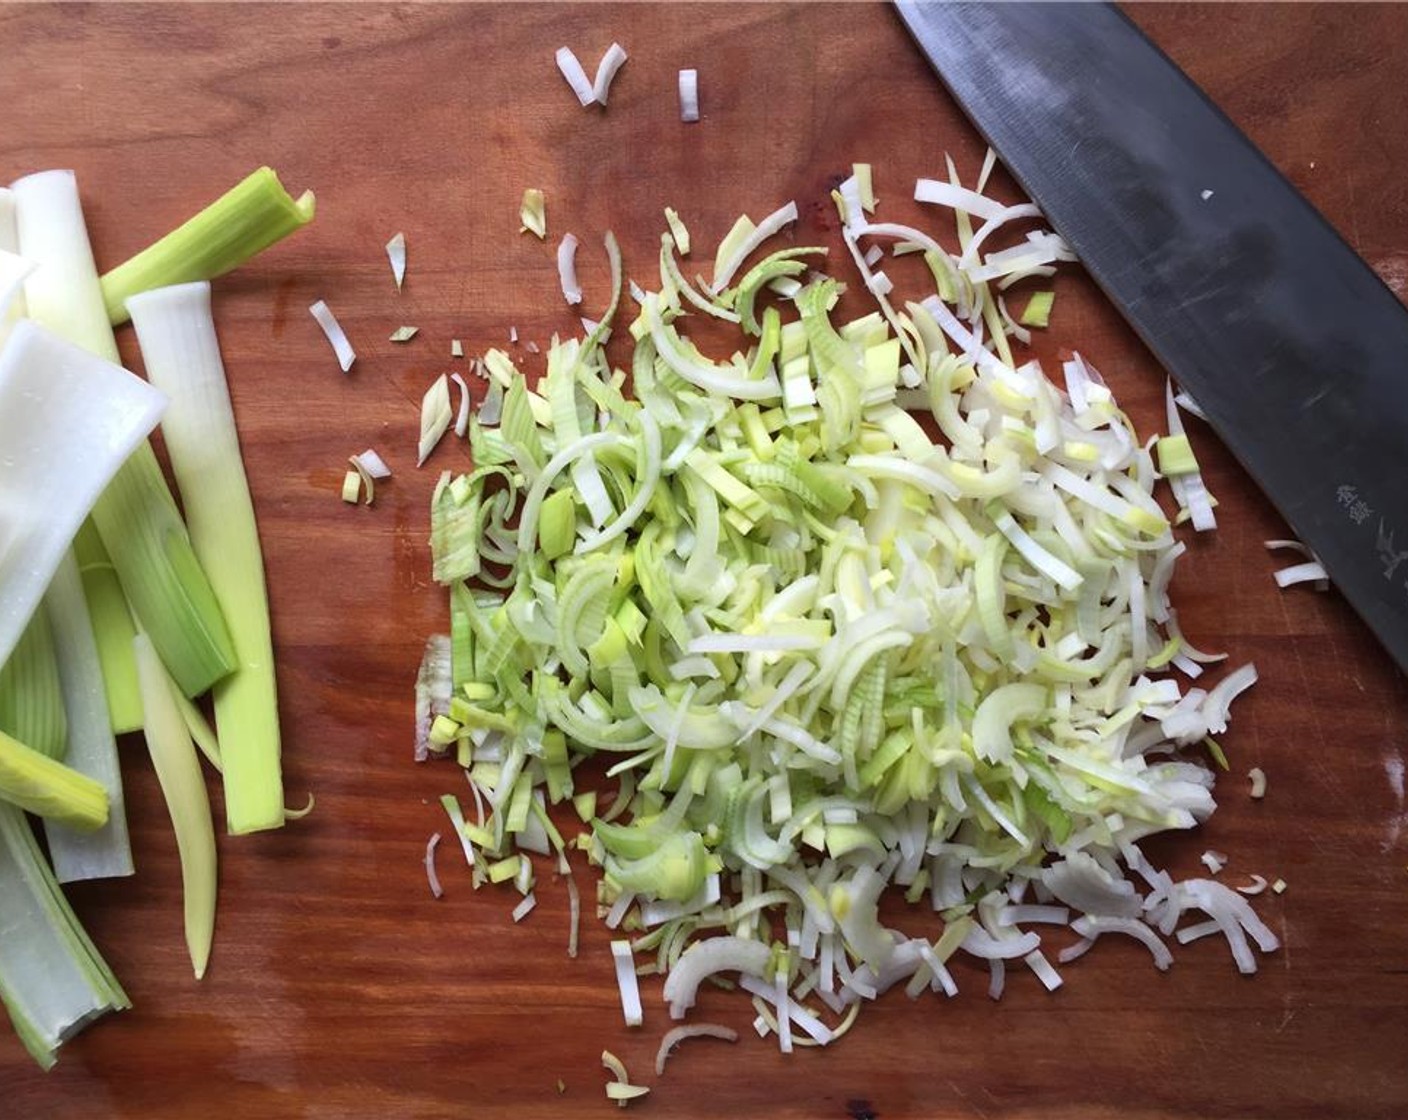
(436, 416)
(373, 464)
(626, 982)
(689, 96)
(65, 293)
(341, 346)
(182, 356)
(567, 269)
(56, 398)
(957, 198)
(396, 253)
(576, 77)
(105, 853)
(52, 980)
(606, 69)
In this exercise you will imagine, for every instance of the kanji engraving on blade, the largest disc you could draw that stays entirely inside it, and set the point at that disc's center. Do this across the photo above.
(1390, 556)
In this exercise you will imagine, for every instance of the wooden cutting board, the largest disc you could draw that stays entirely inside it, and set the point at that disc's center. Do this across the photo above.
(338, 987)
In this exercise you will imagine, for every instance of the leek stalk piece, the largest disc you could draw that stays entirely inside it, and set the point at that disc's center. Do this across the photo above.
(31, 701)
(182, 357)
(113, 629)
(55, 398)
(39, 785)
(92, 750)
(240, 224)
(53, 982)
(136, 515)
(178, 771)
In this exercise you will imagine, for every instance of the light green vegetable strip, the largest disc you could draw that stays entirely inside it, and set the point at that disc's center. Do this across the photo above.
(39, 785)
(31, 699)
(239, 225)
(52, 980)
(113, 630)
(182, 357)
(178, 771)
(136, 515)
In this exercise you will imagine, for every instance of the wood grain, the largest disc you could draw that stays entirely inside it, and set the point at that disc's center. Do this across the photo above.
(338, 988)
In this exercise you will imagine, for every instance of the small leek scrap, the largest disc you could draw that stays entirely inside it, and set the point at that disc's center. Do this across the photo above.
(620, 1089)
(396, 253)
(575, 76)
(436, 416)
(55, 397)
(136, 516)
(178, 772)
(532, 212)
(336, 336)
(182, 356)
(404, 334)
(253, 215)
(53, 981)
(611, 62)
(689, 96)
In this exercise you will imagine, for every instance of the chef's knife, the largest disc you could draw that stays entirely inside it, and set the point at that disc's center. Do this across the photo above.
(1285, 338)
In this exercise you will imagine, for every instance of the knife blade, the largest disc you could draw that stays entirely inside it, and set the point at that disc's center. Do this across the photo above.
(1285, 338)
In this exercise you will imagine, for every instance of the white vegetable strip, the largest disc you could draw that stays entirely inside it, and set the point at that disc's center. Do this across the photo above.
(435, 417)
(373, 464)
(772, 224)
(689, 95)
(92, 750)
(957, 198)
(431, 875)
(675, 1035)
(396, 253)
(606, 69)
(462, 411)
(567, 268)
(576, 77)
(55, 397)
(335, 335)
(626, 982)
(1092, 926)
(704, 958)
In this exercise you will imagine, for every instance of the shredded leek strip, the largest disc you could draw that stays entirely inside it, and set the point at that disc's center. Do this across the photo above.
(182, 357)
(136, 515)
(248, 218)
(178, 771)
(829, 653)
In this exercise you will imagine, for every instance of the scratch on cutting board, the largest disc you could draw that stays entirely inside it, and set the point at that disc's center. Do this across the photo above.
(1393, 768)
(968, 1100)
(1286, 1019)
(1285, 943)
